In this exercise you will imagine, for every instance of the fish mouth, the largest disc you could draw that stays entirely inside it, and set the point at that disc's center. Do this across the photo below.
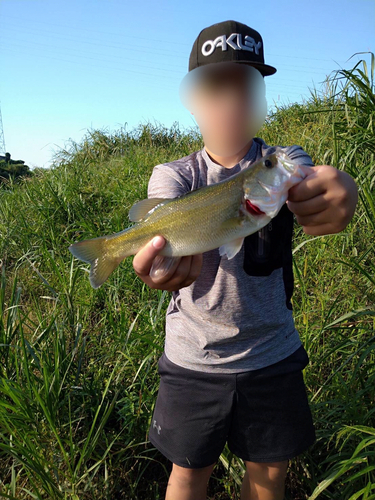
(266, 204)
(272, 195)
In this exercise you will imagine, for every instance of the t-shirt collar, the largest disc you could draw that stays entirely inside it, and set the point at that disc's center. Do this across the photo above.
(249, 157)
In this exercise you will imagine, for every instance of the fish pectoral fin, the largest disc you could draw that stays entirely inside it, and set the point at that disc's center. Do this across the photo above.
(141, 208)
(231, 249)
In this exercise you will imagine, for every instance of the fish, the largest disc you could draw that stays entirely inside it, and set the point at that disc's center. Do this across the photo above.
(218, 215)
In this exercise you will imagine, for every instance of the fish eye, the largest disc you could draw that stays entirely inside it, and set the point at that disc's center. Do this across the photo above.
(268, 164)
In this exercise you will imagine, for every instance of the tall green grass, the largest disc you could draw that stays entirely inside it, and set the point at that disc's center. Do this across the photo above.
(334, 303)
(78, 371)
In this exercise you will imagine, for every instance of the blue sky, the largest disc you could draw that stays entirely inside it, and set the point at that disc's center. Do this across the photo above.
(69, 66)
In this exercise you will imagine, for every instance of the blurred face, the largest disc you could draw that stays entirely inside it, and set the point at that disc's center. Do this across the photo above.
(228, 102)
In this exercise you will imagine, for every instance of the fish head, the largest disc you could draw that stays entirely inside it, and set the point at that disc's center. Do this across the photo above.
(266, 186)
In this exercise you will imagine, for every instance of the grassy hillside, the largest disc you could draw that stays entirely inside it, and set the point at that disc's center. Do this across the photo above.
(78, 371)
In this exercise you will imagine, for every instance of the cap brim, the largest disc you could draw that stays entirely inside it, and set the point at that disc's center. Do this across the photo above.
(265, 69)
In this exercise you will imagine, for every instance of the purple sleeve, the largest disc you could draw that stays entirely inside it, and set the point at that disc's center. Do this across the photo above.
(166, 182)
(297, 153)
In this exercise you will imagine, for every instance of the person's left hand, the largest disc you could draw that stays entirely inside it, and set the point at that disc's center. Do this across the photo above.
(325, 201)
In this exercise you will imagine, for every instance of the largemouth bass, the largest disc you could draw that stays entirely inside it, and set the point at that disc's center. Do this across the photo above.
(219, 215)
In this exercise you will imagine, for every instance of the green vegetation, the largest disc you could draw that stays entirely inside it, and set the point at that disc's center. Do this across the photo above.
(12, 168)
(78, 366)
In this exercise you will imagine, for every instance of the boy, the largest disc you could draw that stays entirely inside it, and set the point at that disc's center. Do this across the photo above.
(232, 365)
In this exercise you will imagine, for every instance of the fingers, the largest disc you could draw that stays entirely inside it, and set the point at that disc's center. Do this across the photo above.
(165, 273)
(195, 269)
(187, 272)
(309, 207)
(163, 265)
(142, 261)
(182, 272)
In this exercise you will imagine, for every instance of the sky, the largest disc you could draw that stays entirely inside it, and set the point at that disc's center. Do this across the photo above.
(75, 65)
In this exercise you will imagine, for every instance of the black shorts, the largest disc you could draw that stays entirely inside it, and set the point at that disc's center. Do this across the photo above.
(263, 414)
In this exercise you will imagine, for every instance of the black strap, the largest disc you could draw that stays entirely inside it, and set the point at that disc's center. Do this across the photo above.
(271, 248)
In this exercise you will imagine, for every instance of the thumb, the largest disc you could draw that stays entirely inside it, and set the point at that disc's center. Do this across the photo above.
(306, 170)
(299, 177)
(142, 261)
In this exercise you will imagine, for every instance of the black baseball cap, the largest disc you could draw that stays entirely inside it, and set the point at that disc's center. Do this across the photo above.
(229, 41)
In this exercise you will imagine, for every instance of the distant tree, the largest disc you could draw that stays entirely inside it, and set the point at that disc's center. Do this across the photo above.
(13, 168)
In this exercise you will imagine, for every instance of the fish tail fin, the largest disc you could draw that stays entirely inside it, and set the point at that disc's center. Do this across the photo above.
(94, 252)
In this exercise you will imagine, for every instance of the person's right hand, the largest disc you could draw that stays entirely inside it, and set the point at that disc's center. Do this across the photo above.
(182, 272)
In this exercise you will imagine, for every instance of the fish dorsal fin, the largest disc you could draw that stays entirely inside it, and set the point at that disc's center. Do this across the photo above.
(140, 209)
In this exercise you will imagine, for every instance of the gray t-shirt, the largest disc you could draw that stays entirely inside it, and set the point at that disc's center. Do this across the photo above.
(237, 315)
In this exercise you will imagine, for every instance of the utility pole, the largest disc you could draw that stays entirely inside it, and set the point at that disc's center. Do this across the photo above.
(2, 139)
